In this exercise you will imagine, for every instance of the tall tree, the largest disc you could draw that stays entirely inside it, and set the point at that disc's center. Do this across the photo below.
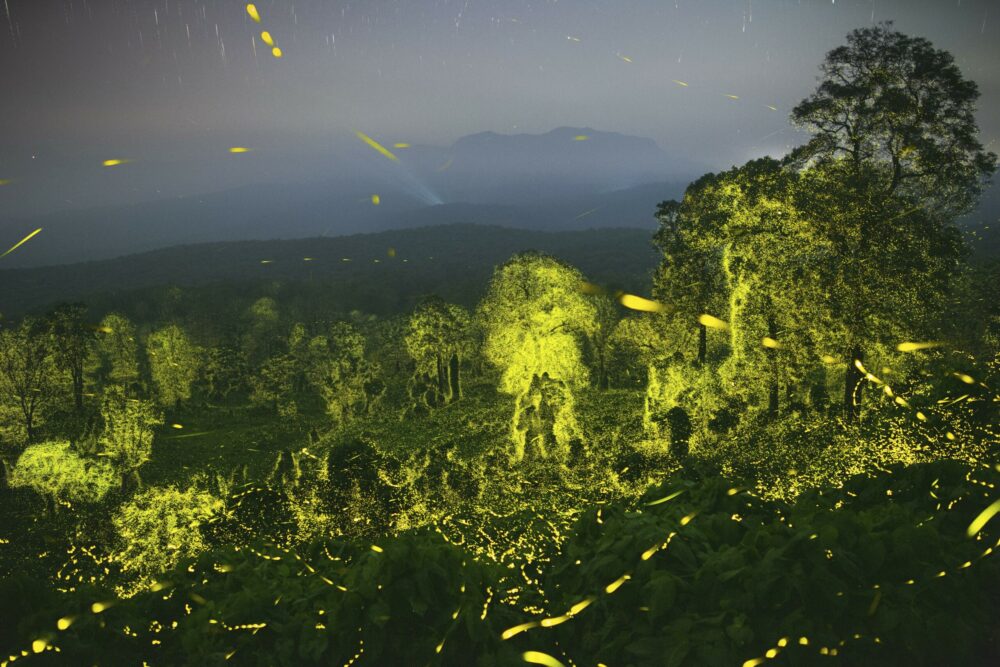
(689, 279)
(73, 339)
(341, 374)
(173, 362)
(896, 140)
(117, 352)
(437, 338)
(28, 376)
(536, 317)
(129, 427)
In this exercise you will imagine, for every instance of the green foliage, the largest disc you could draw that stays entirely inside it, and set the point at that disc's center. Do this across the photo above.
(272, 385)
(55, 471)
(536, 316)
(698, 572)
(28, 376)
(896, 103)
(116, 352)
(437, 339)
(346, 381)
(161, 526)
(173, 361)
(716, 576)
(129, 426)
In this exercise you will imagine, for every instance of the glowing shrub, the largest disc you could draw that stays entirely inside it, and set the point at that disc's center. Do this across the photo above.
(61, 475)
(161, 526)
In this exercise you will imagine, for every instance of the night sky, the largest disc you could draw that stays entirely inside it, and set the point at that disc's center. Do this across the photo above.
(173, 84)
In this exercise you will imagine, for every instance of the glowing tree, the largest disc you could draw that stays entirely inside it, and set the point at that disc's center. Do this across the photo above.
(341, 374)
(688, 280)
(160, 526)
(61, 475)
(28, 375)
(437, 337)
(535, 316)
(173, 362)
(129, 427)
(117, 352)
(272, 385)
(72, 339)
(895, 140)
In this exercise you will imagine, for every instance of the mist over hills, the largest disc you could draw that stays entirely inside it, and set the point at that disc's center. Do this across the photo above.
(355, 272)
(569, 178)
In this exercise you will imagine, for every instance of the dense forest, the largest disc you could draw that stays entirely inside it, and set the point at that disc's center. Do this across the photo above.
(769, 435)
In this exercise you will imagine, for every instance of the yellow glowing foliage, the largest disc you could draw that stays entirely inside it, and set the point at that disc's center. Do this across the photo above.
(980, 521)
(276, 52)
(539, 658)
(21, 242)
(55, 470)
(160, 526)
(913, 347)
(638, 303)
(382, 150)
(252, 11)
(713, 322)
(265, 37)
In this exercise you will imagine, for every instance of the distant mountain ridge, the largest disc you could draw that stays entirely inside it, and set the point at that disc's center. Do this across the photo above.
(568, 178)
(453, 261)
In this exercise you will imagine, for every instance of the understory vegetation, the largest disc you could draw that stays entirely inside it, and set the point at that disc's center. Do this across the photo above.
(788, 452)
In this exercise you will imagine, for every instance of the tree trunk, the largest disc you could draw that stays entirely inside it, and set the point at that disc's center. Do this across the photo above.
(78, 389)
(702, 344)
(852, 386)
(772, 394)
(442, 379)
(454, 374)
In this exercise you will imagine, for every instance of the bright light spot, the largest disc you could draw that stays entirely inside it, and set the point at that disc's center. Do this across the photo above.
(239, 149)
(276, 52)
(638, 303)
(252, 11)
(913, 347)
(713, 322)
(983, 518)
(265, 37)
(376, 200)
(539, 658)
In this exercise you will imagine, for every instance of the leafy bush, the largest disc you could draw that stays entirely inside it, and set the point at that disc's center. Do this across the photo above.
(161, 526)
(57, 472)
(698, 572)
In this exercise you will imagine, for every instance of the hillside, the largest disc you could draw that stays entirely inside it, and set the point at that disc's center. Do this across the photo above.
(454, 261)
